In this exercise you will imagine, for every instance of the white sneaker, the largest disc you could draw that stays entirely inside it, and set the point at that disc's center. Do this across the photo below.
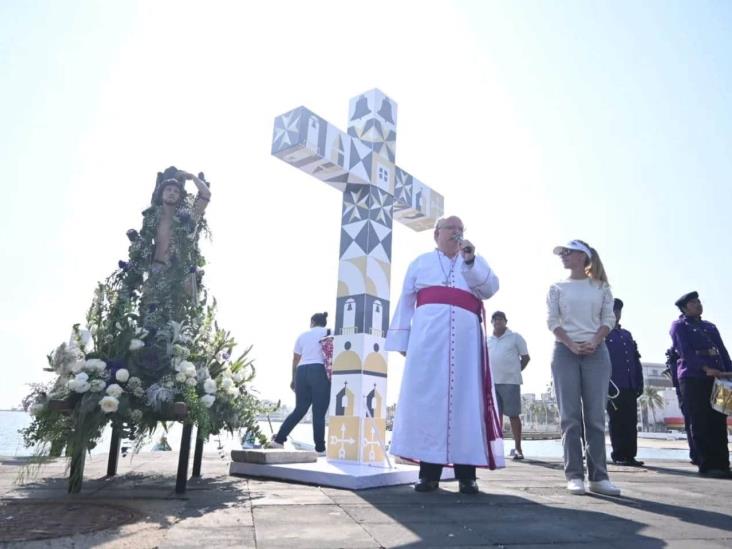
(273, 444)
(604, 487)
(576, 486)
(322, 454)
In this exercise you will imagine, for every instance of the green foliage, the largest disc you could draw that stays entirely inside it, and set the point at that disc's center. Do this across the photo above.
(151, 340)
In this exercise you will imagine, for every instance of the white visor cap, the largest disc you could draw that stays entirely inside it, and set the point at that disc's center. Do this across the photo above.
(574, 245)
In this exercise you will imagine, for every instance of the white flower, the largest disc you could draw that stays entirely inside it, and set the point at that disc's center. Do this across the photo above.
(81, 386)
(189, 370)
(85, 338)
(97, 385)
(36, 409)
(82, 340)
(136, 415)
(227, 383)
(180, 377)
(109, 404)
(208, 400)
(136, 344)
(185, 365)
(138, 392)
(209, 386)
(237, 377)
(95, 364)
(232, 391)
(191, 381)
(77, 366)
(134, 382)
(81, 376)
(115, 390)
(122, 375)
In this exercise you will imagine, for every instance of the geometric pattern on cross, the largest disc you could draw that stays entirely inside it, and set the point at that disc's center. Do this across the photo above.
(361, 164)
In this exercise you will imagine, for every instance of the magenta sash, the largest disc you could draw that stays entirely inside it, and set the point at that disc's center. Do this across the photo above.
(444, 295)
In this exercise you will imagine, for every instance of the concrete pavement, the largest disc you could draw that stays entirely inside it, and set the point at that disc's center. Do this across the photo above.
(523, 506)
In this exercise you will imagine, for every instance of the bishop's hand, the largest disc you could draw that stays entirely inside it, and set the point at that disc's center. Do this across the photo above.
(468, 251)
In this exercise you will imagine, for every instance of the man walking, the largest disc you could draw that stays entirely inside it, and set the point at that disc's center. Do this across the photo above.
(509, 356)
(626, 387)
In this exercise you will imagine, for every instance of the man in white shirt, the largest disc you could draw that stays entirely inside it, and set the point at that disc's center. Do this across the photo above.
(508, 356)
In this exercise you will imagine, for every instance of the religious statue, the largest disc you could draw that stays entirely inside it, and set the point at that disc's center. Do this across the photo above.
(172, 260)
(150, 349)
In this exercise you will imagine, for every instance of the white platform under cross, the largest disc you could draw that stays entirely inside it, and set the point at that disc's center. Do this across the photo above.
(347, 475)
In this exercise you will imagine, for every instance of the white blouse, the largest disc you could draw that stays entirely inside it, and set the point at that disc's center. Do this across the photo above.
(580, 307)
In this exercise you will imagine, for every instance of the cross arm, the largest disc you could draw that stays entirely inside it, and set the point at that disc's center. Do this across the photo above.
(415, 204)
(310, 143)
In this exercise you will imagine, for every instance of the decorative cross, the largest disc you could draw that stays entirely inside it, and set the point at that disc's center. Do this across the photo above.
(360, 164)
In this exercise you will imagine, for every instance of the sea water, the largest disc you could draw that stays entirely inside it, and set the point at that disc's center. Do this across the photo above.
(11, 443)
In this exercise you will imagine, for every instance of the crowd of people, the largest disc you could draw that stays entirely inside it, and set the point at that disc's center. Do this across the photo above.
(459, 381)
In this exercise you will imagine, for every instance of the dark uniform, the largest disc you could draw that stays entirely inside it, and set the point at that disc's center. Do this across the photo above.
(699, 345)
(671, 364)
(627, 375)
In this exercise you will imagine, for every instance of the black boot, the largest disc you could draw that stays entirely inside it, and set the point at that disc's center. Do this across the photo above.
(469, 486)
(425, 485)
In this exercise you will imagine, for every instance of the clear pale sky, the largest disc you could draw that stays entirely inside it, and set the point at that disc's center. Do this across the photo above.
(538, 121)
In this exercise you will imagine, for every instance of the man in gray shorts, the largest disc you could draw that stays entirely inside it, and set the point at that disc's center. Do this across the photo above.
(508, 357)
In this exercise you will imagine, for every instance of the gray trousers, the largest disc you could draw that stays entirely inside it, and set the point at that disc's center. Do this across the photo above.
(581, 384)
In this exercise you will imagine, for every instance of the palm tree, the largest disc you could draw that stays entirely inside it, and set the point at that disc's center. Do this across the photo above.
(650, 401)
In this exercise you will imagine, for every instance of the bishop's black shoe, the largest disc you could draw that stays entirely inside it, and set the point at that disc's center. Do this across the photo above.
(469, 486)
(425, 485)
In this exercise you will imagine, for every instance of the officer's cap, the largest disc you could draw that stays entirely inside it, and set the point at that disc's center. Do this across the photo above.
(684, 299)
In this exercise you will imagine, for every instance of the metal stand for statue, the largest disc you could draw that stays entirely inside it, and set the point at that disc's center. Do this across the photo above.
(152, 352)
(360, 163)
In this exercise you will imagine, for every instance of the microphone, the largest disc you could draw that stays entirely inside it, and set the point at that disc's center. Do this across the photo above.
(459, 238)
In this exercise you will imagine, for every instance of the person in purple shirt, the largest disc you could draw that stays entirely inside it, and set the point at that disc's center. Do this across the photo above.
(702, 357)
(627, 378)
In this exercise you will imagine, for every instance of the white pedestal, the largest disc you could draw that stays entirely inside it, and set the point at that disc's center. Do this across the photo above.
(337, 474)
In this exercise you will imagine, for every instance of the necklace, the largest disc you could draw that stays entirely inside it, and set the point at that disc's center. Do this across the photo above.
(447, 274)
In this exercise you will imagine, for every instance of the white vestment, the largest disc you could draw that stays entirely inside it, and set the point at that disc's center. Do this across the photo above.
(440, 412)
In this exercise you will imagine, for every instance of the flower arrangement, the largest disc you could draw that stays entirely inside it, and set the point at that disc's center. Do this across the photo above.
(151, 340)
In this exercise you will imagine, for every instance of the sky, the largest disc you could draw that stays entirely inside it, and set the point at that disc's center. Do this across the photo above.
(538, 121)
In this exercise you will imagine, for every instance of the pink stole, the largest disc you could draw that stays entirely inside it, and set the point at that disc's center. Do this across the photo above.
(465, 300)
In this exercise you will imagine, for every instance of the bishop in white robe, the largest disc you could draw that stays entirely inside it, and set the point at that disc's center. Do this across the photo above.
(446, 413)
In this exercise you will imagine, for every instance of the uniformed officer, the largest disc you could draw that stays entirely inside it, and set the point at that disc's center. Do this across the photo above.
(627, 384)
(702, 357)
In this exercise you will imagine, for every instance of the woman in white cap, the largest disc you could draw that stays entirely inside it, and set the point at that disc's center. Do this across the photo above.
(580, 314)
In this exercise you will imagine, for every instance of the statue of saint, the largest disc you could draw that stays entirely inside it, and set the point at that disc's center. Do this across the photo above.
(169, 195)
(165, 253)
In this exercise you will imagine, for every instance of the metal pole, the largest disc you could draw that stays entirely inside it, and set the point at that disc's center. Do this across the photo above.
(113, 451)
(197, 457)
(185, 451)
